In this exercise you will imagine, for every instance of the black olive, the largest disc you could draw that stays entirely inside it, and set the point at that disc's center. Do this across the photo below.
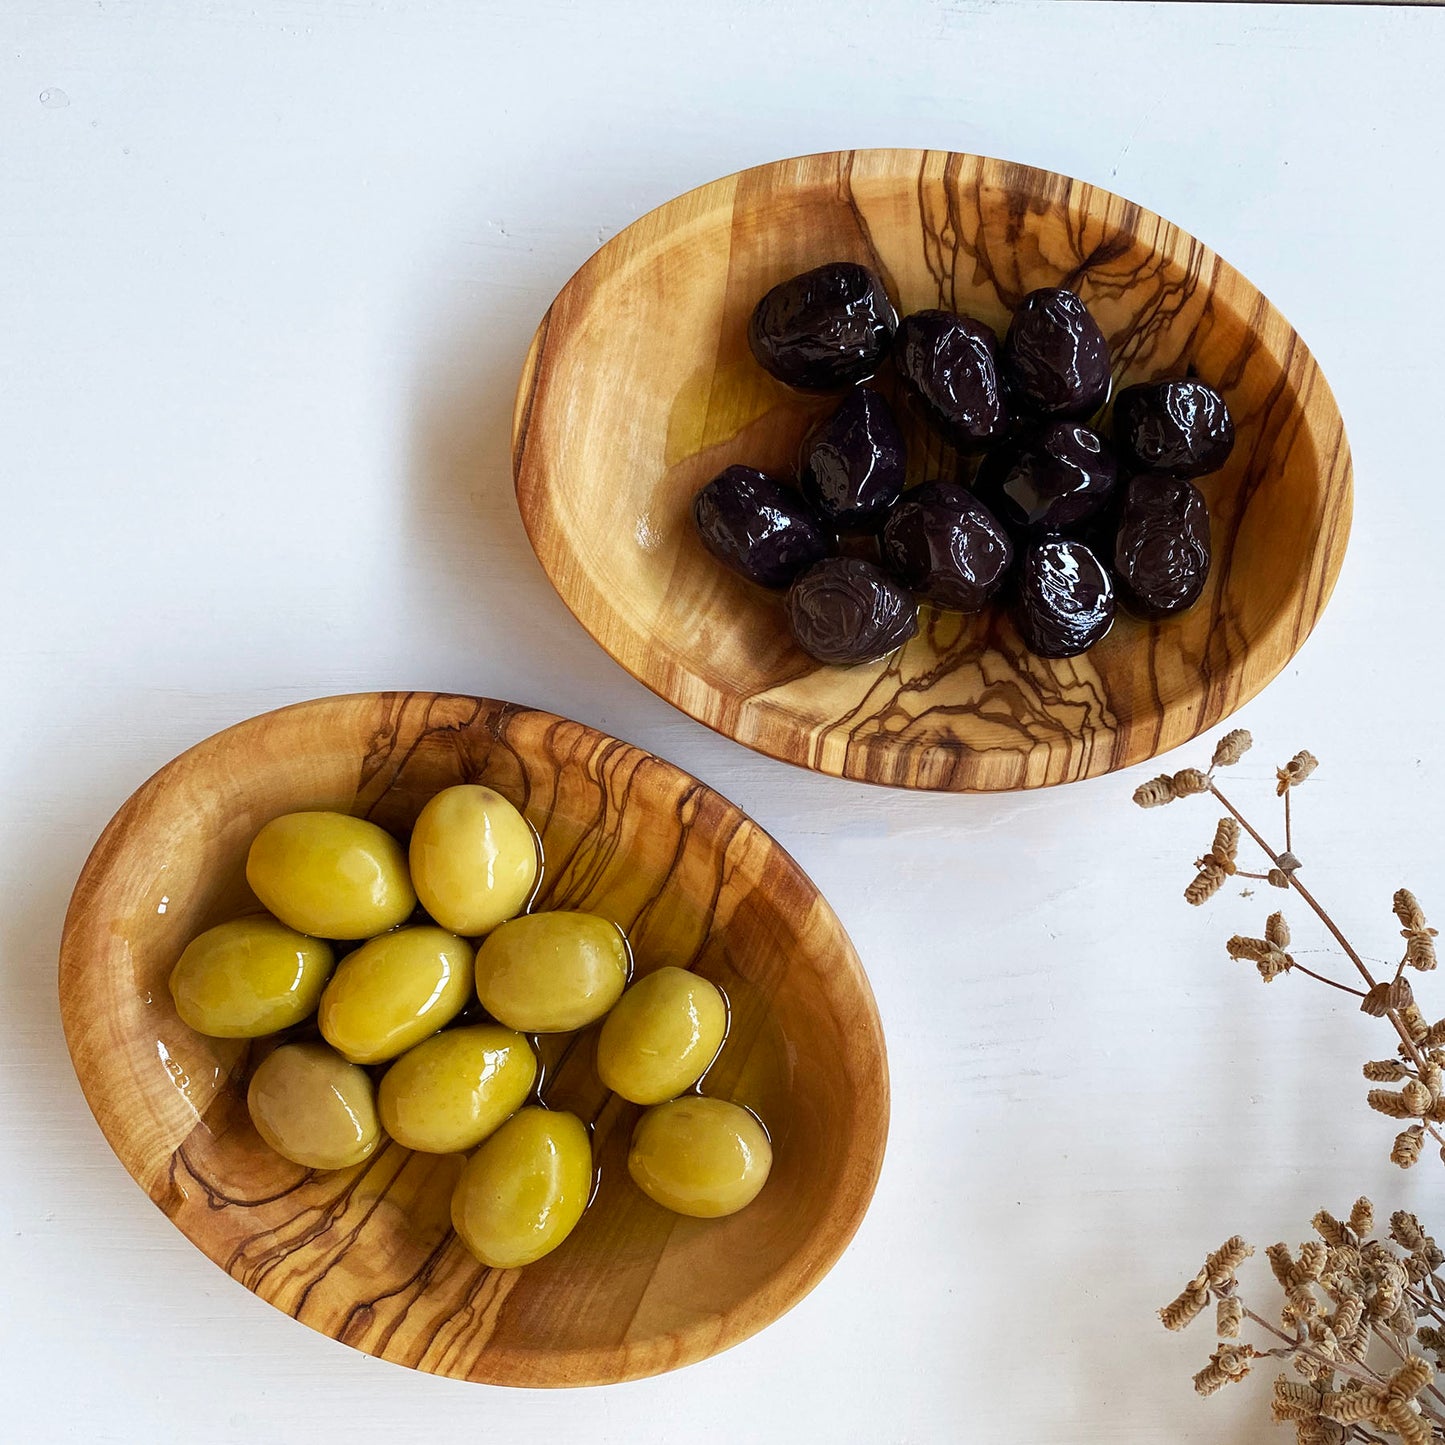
(852, 468)
(945, 545)
(758, 526)
(951, 364)
(1052, 480)
(1055, 358)
(1065, 598)
(1161, 552)
(1175, 428)
(844, 610)
(825, 329)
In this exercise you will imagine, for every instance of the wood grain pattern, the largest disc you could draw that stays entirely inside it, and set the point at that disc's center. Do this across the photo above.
(367, 1254)
(639, 387)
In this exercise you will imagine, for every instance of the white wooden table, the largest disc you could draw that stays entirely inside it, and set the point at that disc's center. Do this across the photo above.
(267, 272)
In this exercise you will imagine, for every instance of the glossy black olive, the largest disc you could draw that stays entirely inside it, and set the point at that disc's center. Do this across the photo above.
(844, 610)
(824, 330)
(945, 545)
(758, 526)
(951, 365)
(1175, 428)
(1065, 598)
(1161, 552)
(1055, 358)
(1052, 480)
(853, 464)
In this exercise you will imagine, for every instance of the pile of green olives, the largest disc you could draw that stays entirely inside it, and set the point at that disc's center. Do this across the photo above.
(408, 985)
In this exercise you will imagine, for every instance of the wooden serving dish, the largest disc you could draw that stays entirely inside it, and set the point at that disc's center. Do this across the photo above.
(639, 387)
(367, 1254)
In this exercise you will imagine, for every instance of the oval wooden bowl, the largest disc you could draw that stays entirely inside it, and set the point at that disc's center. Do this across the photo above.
(367, 1255)
(639, 387)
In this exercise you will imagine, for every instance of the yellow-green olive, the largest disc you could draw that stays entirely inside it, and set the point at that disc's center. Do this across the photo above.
(473, 859)
(523, 1191)
(549, 973)
(249, 977)
(703, 1157)
(395, 991)
(659, 1040)
(330, 875)
(314, 1108)
(449, 1092)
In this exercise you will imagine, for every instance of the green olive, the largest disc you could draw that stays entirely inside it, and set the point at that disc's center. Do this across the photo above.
(249, 977)
(330, 875)
(549, 973)
(473, 859)
(703, 1157)
(395, 991)
(314, 1108)
(449, 1092)
(659, 1040)
(524, 1190)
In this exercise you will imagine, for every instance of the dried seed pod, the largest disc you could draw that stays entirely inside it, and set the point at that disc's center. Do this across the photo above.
(1156, 792)
(1396, 994)
(1408, 1144)
(1187, 1305)
(1414, 1021)
(1295, 771)
(1405, 1230)
(1231, 748)
(1418, 935)
(1226, 844)
(1219, 1267)
(1227, 1364)
(1385, 1071)
(1387, 1101)
(1190, 780)
(1207, 882)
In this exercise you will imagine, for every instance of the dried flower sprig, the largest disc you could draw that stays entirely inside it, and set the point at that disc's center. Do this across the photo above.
(1420, 1066)
(1344, 1291)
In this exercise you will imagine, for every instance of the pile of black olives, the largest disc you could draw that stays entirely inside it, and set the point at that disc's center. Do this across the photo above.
(1053, 518)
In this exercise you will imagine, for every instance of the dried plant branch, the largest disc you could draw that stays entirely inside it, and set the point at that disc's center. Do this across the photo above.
(1391, 998)
(1342, 1290)
(1351, 1301)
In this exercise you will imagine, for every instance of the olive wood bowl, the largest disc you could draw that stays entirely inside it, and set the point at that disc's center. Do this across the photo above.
(639, 387)
(367, 1255)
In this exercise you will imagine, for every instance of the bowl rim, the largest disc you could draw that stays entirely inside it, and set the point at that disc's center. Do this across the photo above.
(1096, 761)
(82, 987)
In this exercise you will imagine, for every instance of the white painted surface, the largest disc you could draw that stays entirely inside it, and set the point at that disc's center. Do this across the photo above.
(268, 274)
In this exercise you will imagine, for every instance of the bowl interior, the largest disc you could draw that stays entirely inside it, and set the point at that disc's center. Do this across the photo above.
(367, 1254)
(640, 387)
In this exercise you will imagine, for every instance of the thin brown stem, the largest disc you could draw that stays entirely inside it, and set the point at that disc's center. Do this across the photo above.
(1288, 825)
(1333, 983)
(1430, 1305)
(1297, 1346)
